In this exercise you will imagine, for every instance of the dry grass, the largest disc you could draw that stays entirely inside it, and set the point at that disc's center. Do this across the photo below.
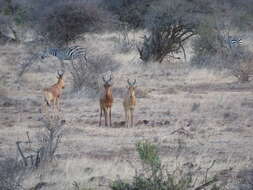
(212, 111)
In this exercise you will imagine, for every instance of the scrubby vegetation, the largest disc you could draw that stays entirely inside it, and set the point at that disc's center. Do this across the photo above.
(155, 176)
(87, 74)
(169, 26)
(213, 49)
(11, 174)
(34, 153)
(136, 40)
(63, 23)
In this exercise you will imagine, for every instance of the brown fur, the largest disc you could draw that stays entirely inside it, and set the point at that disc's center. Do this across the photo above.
(106, 101)
(129, 103)
(53, 93)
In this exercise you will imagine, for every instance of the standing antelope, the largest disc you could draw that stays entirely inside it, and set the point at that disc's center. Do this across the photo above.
(53, 93)
(129, 102)
(106, 101)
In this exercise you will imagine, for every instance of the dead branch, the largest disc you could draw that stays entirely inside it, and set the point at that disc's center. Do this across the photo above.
(27, 64)
(210, 182)
(76, 185)
(28, 138)
(162, 42)
(207, 170)
(38, 186)
(21, 153)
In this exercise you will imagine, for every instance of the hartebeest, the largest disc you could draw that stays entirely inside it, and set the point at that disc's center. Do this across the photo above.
(106, 101)
(129, 102)
(53, 93)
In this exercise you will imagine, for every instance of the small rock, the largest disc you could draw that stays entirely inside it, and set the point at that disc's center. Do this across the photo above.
(159, 123)
(63, 121)
(166, 122)
(88, 170)
(195, 107)
(100, 180)
(145, 122)
(7, 104)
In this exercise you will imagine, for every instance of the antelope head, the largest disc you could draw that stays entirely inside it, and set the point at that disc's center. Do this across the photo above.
(131, 87)
(60, 79)
(107, 83)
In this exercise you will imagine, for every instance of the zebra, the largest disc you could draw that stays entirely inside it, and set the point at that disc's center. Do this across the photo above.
(69, 53)
(234, 41)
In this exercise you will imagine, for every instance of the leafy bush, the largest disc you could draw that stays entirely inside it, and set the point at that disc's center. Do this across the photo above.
(156, 177)
(66, 21)
(13, 15)
(131, 12)
(213, 48)
(148, 153)
(243, 68)
(210, 43)
(242, 18)
(123, 43)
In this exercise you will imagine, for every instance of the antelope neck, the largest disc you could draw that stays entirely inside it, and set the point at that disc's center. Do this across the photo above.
(131, 95)
(108, 95)
(58, 84)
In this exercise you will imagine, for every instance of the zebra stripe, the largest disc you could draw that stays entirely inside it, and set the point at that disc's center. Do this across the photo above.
(69, 53)
(76, 51)
(234, 41)
(53, 52)
(72, 51)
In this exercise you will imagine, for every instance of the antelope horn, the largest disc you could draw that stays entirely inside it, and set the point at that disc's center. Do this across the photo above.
(134, 82)
(110, 78)
(104, 78)
(60, 74)
(129, 83)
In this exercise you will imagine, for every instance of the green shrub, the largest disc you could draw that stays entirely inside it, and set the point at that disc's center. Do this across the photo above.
(148, 154)
(155, 177)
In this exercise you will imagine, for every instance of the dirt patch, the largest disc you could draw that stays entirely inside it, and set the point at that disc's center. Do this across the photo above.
(221, 87)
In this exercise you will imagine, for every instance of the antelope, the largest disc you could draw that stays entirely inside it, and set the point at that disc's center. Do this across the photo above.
(106, 101)
(129, 102)
(53, 93)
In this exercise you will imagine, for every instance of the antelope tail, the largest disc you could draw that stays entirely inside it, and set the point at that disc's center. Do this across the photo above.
(46, 97)
(47, 102)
